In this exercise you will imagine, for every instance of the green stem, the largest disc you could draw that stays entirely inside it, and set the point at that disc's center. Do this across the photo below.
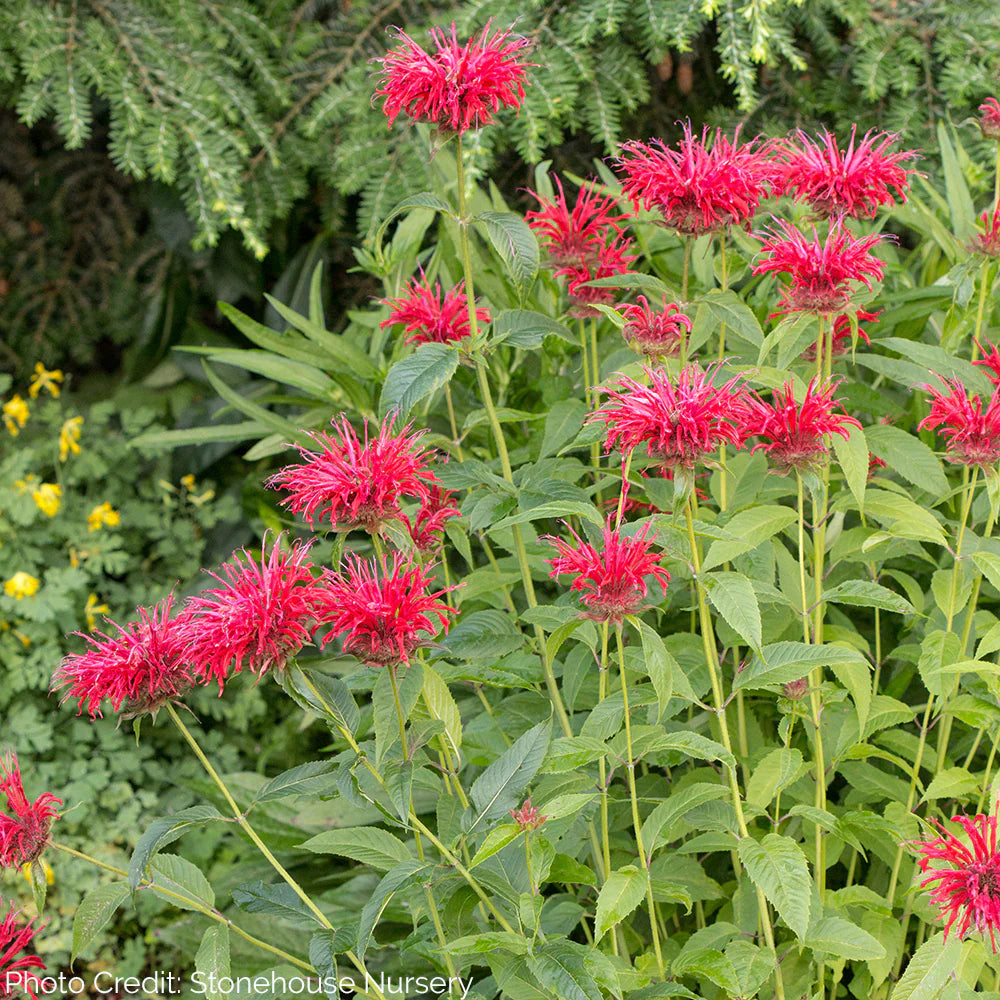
(688, 246)
(451, 421)
(819, 347)
(399, 713)
(981, 308)
(584, 353)
(603, 765)
(188, 903)
(725, 287)
(636, 821)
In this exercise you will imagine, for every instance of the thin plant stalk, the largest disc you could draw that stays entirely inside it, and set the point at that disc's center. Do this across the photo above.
(399, 712)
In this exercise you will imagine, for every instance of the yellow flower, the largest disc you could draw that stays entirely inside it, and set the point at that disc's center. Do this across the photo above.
(188, 482)
(23, 485)
(46, 868)
(103, 514)
(92, 609)
(68, 437)
(15, 414)
(47, 497)
(44, 379)
(21, 585)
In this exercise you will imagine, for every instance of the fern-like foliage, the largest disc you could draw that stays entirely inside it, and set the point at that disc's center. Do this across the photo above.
(243, 106)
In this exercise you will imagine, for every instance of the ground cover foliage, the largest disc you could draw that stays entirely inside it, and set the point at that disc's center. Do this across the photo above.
(652, 639)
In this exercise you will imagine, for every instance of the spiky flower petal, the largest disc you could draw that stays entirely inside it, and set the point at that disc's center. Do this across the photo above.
(454, 86)
(431, 315)
(972, 433)
(24, 826)
(612, 260)
(427, 528)
(989, 120)
(16, 970)
(657, 333)
(987, 242)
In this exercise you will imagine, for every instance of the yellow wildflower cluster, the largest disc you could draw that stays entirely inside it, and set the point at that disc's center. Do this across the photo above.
(103, 514)
(20, 636)
(92, 609)
(188, 482)
(45, 379)
(20, 585)
(47, 497)
(15, 414)
(68, 438)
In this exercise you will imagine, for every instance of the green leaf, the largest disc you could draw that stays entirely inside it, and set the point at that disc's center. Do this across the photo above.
(483, 635)
(751, 527)
(989, 565)
(843, 939)
(212, 960)
(728, 308)
(422, 200)
(908, 456)
(866, 594)
(557, 508)
(386, 714)
(441, 705)
(528, 329)
(94, 913)
(904, 517)
(781, 662)
(852, 456)
(370, 845)
(775, 771)
(514, 241)
(164, 831)
(277, 900)
(183, 879)
(322, 957)
(623, 891)
(499, 788)
(673, 809)
(327, 696)
(708, 963)
(734, 598)
(312, 777)
(963, 211)
(428, 368)
(951, 783)
(856, 677)
(403, 874)
(562, 424)
(496, 840)
(692, 744)
(778, 868)
(660, 666)
(559, 967)
(294, 373)
(929, 969)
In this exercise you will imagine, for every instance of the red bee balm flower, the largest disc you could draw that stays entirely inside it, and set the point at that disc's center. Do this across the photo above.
(612, 579)
(612, 260)
(24, 828)
(821, 270)
(353, 483)
(16, 973)
(138, 670)
(656, 333)
(263, 613)
(968, 875)
(988, 241)
(380, 610)
(989, 121)
(426, 529)
(854, 182)
(432, 315)
(697, 187)
(680, 421)
(972, 433)
(456, 87)
(990, 360)
(793, 432)
(578, 235)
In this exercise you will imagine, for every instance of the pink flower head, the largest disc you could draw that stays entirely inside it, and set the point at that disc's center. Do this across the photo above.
(611, 260)
(972, 434)
(821, 270)
(841, 334)
(380, 609)
(24, 827)
(698, 187)
(967, 875)
(262, 614)
(16, 972)
(138, 670)
(793, 432)
(990, 360)
(455, 87)
(988, 241)
(577, 235)
(656, 333)
(612, 579)
(527, 817)
(989, 121)
(353, 483)
(853, 181)
(427, 528)
(681, 420)
(432, 315)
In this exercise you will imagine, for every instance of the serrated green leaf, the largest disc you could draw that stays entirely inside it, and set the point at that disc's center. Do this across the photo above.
(735, 599)
(94, 913)
(778, 868)
(369, 845)
(621, 893)
(409, 380)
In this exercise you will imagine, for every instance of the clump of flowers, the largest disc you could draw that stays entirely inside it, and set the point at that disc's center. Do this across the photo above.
(138, 670)
(45, 379)
(698, 186)
(380, 608)
(262, 613)
(103, 515)
(21, 585)
(48, 498)
(431, 315)
(989, 120)
(527, 817)
(15, 414)
(792, 432)
(967, 875)
(656, 333)
(454, 86)
(821, 270)
(972, 433)
(612, 579)
(987, 242)
(353, 482)
(69, 438)
(16, 968)
(682, 420)
(853, 181)
(24, 826)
